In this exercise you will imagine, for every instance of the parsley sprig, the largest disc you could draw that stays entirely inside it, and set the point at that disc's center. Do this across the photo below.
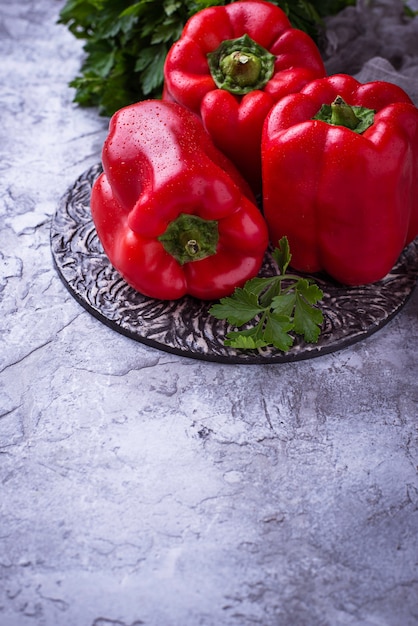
(282, 306)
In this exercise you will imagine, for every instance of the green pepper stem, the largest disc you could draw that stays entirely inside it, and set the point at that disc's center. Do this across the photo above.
(342, 114)
(339, 113)
(190, 238)
(241, 65)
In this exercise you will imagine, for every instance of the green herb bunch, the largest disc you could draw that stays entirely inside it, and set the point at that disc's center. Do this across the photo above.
(278, 307)
(126, 42)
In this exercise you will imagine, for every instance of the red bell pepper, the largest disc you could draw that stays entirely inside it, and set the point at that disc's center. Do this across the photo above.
(230, 65)
(172, 213)
(341, 180)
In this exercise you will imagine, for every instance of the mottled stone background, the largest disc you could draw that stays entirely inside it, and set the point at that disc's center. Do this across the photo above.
(138, 487)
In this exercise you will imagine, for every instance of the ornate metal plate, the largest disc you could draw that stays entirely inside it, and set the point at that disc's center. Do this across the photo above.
(184, 326)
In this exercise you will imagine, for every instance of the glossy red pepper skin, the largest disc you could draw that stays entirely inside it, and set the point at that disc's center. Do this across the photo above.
(159, 163)
(235, 121)
(347, 202)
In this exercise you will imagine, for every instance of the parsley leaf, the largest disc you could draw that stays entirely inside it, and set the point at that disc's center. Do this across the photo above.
(239, 308)
(280, 306)
(306, 319)
(246, 339)
(276, 331)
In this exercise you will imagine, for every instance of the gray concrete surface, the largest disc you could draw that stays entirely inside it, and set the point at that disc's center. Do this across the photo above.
(137, 487)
